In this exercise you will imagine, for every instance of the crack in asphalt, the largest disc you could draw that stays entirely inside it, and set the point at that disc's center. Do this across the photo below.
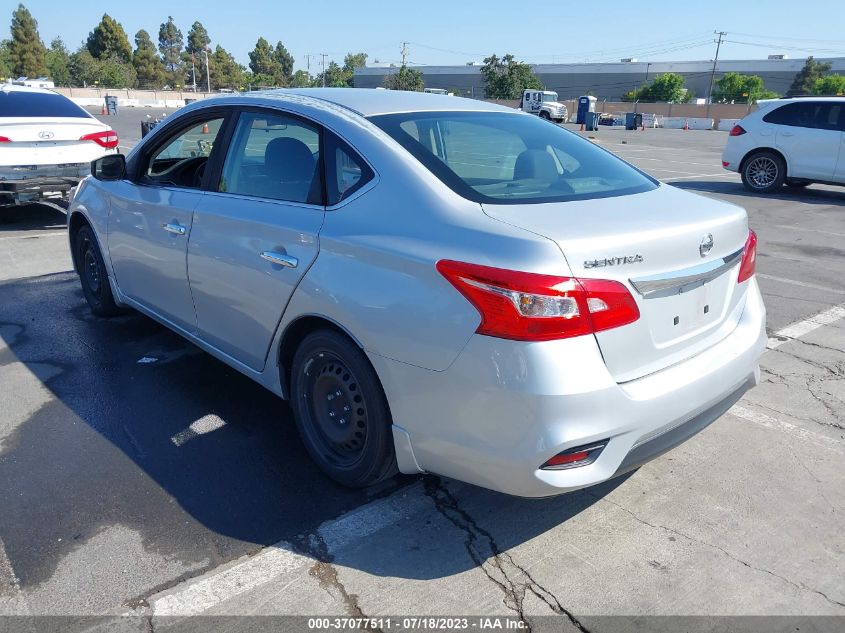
(491, 560)
(798, 585)
(325, 572)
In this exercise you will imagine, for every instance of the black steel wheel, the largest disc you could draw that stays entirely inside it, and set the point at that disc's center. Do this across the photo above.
(93, 274)
(341, 411)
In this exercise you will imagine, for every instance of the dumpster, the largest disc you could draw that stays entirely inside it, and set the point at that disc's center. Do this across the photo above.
(591, 121)
(111, 104)
(633, 120)
(189, 101)
(585, 104)
(147, 126)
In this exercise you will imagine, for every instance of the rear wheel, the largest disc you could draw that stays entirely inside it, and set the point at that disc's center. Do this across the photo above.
(93, 275)
(763, 172)
(341, 410)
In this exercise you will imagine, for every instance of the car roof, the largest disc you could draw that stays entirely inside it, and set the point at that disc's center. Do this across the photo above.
(10, 87)
(799, 99)
(369, 101)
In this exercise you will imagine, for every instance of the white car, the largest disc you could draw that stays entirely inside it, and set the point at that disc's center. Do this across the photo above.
(795, 142)
(47, 143)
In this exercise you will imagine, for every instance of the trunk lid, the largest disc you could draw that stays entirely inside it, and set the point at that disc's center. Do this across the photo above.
(651, 243)
(49, 141)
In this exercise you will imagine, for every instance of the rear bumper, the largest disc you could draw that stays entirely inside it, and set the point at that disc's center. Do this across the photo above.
(37, 182)
(504, 407)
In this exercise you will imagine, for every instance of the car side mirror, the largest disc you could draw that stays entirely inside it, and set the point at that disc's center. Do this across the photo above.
(109, 167)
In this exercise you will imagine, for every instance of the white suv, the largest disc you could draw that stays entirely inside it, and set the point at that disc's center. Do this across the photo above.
(795, 142)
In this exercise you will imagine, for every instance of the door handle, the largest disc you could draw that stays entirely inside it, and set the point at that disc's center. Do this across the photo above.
(176, 229)
(279, 258)
(786, 134)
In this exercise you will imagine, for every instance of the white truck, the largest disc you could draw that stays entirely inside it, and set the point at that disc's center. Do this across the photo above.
(544, 104)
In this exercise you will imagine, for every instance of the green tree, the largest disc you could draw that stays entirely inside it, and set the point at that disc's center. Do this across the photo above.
(58, 62)
(198, 39)
(301, 79)
(146, 62)
(261, 59)
(668, 87)
(170, 45)
(506, 78)
(284, 62)
(83, 67)
(334, 77)
(806, 78)
(194, 56)
(5, 60)
(108, 40)
(405, 79)
(831, 85)
(86, 70)
(26, 50)
(737, 88)
(225, 71)
(350, 63)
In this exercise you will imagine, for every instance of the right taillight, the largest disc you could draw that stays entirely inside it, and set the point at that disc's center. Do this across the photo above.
(532, 307)
(749, 258)
(5, 139)
(737, 130)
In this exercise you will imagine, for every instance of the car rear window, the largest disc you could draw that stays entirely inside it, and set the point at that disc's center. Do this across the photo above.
(822, 115)
(504, 158)
(19, 103)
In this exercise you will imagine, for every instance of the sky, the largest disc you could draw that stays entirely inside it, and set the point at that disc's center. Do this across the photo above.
(445, 32)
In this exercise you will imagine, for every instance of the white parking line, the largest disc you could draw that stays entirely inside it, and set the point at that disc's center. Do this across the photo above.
(199, 595)
(722, 175)
(34, 236)
(801, 328)
(801, 228)
(769, 422)
(803, 284)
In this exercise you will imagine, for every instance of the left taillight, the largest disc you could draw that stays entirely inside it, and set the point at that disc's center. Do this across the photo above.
(737, 130)
(106, 138)
(5, 139)
(524, 306)
(748, 265)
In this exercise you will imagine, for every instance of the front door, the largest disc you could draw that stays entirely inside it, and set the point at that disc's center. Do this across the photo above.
(256, 234)
(151, 219)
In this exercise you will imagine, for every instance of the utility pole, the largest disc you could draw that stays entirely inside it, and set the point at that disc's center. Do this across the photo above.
(721, 34)
(324, 55)
(308, 62)
(207, 74)
(404, 52)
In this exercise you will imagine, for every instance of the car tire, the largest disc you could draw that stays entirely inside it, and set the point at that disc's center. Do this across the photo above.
(341, 410)
(93, 274)
(798, 184)
(763, 172)
(545, 115)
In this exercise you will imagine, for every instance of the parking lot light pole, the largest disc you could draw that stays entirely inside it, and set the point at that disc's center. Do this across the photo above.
(207, 74)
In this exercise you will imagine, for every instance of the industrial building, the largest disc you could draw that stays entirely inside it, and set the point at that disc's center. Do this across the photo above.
(607, 81)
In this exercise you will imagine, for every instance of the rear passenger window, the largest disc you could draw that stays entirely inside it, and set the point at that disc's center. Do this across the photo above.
(274, 156)
(810, 114)
(346, 171)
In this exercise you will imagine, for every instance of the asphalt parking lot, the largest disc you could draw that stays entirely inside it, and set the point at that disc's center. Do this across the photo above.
(139, 475)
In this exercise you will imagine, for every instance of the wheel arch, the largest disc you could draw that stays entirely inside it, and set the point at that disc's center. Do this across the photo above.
(76, 221)
(757, 150)
(297, 330)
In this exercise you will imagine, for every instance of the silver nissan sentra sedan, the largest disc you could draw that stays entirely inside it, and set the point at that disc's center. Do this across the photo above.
(435, 284)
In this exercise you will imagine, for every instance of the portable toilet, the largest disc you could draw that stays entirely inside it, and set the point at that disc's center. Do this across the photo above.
(585, 104)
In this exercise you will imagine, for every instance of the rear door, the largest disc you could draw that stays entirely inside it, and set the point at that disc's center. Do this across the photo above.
(256, 232)
(152, 215)
(807, 135)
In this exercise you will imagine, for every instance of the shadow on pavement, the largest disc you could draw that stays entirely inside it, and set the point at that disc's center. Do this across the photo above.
(31, 217)
(813, 194)
(115, 445)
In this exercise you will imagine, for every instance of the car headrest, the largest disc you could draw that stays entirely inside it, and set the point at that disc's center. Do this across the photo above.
(289, 159)
(535, 163)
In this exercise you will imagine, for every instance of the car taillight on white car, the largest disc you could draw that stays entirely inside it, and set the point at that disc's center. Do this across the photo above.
(737, 130)
(105, 138)
(531, 307)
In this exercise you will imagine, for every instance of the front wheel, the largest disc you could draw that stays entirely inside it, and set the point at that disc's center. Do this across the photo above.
(341, 410)
(763, 172)
(545, 115)
(93, 274)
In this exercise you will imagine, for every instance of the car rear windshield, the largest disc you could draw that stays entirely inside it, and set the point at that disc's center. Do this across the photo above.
(20, 103)
(504, 158)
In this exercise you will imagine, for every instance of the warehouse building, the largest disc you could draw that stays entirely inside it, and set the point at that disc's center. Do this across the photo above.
(607, 81)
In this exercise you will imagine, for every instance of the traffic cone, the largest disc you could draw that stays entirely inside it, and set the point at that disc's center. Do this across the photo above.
(205, 128)
(103, 112)
(686, 125)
